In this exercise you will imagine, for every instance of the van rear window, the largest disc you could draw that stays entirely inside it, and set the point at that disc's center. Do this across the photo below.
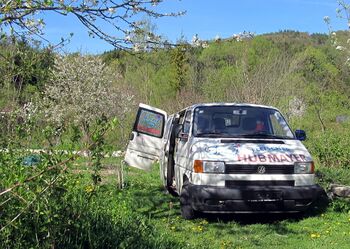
(149, 122)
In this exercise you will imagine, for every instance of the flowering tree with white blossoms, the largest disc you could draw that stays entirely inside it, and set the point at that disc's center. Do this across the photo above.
(120, 17)
(82, 90)
(343, 12)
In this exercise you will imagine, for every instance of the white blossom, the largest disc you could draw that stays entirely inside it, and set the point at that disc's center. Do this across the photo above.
(297, 107)
(111, 10)
(155, 2)
(136, 47)
(327, 19)
(82, 90)
(341, 48)
(196, 42)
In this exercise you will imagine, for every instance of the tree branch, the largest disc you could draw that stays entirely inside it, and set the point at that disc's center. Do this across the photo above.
(19, 15)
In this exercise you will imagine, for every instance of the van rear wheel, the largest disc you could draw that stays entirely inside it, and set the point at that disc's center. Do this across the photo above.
(187, 212)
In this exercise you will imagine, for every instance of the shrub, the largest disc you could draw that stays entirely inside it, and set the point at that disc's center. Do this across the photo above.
(332, 149)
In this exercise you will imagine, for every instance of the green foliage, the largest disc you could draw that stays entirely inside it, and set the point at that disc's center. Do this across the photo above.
(223, 53)
(341, 205)
(164, 85)
(72, 202)
(332, 148)
(46, 203)
(225, 78)
(317, 67)
(180, 62)
(72, 215)
(260, 51)
(32, 202)
(97, 148)
(24, 70)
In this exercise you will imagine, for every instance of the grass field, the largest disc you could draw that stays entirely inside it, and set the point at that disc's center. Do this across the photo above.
(317, 228)
(78, 214)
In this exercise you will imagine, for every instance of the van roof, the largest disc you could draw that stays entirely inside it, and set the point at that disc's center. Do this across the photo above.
(230, 104)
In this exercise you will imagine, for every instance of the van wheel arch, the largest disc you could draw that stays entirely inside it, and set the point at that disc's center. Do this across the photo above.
(185, 179)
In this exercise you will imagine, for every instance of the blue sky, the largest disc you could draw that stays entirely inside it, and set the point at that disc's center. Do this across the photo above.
(209, 18)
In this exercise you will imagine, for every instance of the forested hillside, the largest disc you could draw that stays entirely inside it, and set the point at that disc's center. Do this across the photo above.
(301, 74)
(66, 102)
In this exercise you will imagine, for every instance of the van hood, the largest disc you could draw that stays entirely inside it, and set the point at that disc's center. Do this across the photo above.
(250, 151)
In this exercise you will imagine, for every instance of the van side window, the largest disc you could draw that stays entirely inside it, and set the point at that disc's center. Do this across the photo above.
(187, 122)
(149, 122)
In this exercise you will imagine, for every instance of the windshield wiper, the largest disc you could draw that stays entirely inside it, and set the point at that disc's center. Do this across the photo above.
(211, 134)
(248, 135)
(263, 135)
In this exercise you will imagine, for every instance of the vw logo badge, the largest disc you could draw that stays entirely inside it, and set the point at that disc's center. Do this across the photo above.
(261, 169)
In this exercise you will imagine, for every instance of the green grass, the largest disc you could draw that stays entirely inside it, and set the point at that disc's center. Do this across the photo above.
(315, 229)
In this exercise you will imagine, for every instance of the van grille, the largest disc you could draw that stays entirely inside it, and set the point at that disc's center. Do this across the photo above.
(253, 169)
(233, 183)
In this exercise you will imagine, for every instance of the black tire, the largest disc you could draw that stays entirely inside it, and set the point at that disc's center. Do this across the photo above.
(187, 212)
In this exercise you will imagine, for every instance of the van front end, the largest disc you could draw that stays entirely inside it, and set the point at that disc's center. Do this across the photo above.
(241, 189)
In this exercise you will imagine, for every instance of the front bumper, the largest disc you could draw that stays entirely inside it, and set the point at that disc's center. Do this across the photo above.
(253, 199)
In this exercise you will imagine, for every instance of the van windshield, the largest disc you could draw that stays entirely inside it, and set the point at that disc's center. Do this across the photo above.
(240, 121)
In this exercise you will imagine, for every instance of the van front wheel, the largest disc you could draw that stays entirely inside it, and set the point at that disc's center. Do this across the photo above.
(187, 211)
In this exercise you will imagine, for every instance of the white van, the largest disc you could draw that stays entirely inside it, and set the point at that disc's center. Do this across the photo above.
(226, 158)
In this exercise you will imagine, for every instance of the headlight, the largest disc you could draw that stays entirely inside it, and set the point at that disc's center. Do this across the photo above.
(200, 166)
(304, 168)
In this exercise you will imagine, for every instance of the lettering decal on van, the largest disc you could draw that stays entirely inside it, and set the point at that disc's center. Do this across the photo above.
(213, 150)
(264, 148)
(235, 148)
(220, 150)
(271, 158)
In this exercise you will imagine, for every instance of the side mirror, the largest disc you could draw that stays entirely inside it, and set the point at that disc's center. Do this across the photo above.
(178, 129)
(300, 135)
(183, 136)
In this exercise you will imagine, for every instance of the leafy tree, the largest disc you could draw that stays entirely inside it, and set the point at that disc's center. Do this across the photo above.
(317, 67)
(340, 40)
(180, 63)
(24, 70)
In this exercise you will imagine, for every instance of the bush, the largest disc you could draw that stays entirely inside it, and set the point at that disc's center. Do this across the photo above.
(75, 214)
(332, 148)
